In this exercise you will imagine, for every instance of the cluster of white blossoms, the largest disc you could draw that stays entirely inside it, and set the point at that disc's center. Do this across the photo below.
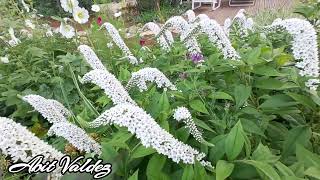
(215, 35)
(25, 6)
(14, 41)
(148, 131)
(182, 26)
(141, 77)
(162, 40)
(80, 15)
(66, 30)
(91, 57)
(29, 24)
(304, 47)
(57, 114)
(76, 136)
(183, 114)
(244, 24)
(22, 145)
(114, 34)
(110, 84)
(50, 109)
(191, 16)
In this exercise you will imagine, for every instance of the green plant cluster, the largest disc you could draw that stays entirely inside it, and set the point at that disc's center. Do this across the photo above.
(263, 121)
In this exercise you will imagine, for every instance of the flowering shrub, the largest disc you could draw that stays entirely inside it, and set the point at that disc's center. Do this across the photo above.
(237, 102)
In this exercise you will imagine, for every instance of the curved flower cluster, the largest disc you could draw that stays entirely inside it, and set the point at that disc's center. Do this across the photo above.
(304, 47)
(76, 136)
(14, 41)
(216, 36)
(21, 144)
(91, 57)
(148, 131)
(191, 16)
(140, 78)
(243, 23)
(113, 32)
(110, 84)
(182, 26)
(183, 114)
(50, 109)
(164, 43)
(56, 113)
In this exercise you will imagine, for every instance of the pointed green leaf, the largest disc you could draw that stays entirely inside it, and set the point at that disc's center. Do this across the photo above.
(223, 169)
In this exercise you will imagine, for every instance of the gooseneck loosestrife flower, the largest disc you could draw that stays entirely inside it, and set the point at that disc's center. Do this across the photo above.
(183, 114)
(57, 114)
(91, 57)
(141, 77)
(162, 40)
(244, 24)
(148, 131)
(50, 109)
(216, 36)
(110, 84)
(114, 34)
(191, 16)
(76, 136)
(304, 47)
(22, 145)
(14, 40)
(182, 26)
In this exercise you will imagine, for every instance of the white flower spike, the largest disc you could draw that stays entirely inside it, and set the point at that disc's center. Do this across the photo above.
(50, 109)
(110, 84)
(183, 114)
(113, 32)
(141, 77)
(148, 131)
(76, 136)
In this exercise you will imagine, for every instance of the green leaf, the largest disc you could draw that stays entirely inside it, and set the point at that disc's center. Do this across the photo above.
(134, 176)
(253, 56)
(308, 158)
(252, 127)
(234, 141)
(241, 94)
(142, 151)
(313, 172)
(266, 71)
(263, 154)
(304, 100)
(273, 84)
(300, 135)
(198, 106)
(277, 101)
(188, 173)
(220, 95)
(284, 170)
(224, 169)
(202, 125)
(155, 166)
(267, 169)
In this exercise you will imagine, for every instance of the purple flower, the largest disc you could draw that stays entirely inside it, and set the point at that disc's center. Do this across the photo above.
(196, 58)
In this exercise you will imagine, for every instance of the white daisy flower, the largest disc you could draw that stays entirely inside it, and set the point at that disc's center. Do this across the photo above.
(66, 30)
(81, 15)
(117, 14)
(69, 5)
(4, 60)
(95, 8)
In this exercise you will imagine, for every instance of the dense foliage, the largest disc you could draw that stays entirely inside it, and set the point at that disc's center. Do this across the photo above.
(256, 115)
